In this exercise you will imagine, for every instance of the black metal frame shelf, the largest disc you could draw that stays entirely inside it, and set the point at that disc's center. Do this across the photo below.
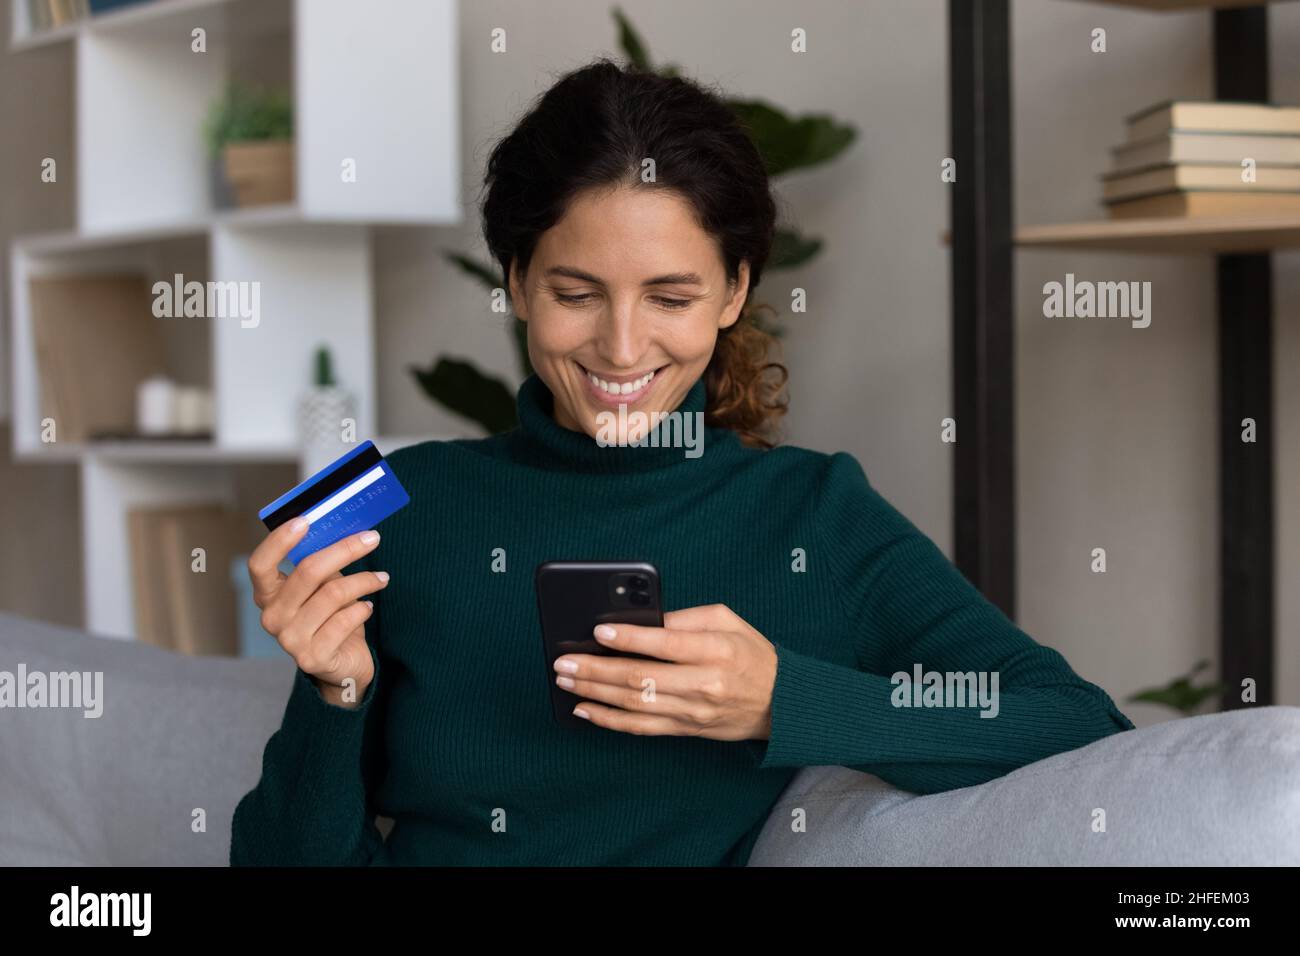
(983, 331)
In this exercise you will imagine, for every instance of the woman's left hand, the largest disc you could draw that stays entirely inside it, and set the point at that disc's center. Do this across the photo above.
(713, 679)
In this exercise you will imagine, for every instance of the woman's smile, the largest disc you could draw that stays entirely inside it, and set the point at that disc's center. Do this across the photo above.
(615, 390)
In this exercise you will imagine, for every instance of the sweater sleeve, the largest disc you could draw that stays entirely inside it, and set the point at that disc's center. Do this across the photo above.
(314, 804)
(905, 604)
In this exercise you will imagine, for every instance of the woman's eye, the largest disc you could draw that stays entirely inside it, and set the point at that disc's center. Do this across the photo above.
(673, 303)
(578, 299)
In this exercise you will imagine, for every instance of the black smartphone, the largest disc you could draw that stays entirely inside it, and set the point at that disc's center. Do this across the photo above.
(573, 597)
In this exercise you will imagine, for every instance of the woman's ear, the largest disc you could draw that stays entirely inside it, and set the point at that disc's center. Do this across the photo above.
(736, 302)
(517, 300)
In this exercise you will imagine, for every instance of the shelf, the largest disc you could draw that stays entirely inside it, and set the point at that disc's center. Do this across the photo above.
(1168, 235)
(156, 18)
(146, 206)
(143, 98)
(310, 284)
(160, 452)
(1161, 6)
(251, 217)
(196, 452)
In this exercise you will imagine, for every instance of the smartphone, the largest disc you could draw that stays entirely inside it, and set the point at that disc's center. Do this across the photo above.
(573, 597)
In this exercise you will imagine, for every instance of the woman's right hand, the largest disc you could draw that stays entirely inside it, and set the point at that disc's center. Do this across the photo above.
(315, 612)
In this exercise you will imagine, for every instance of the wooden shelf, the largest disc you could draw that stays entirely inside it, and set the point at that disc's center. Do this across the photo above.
(1168, 5)
(193, 452)
(1169, 234)
(184, 452)
(251, 217)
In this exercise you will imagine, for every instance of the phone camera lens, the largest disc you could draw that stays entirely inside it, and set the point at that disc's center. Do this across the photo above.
(640, 598)
(639, 582)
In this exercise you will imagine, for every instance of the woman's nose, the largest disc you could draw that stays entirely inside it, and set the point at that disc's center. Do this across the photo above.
(621, 336)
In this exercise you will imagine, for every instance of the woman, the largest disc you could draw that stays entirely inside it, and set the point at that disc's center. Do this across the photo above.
(633, 218)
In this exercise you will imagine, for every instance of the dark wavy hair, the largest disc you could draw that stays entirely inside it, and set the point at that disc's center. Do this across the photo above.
(592, 129)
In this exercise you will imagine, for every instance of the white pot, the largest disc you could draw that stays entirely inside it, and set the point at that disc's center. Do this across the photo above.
(322, 413)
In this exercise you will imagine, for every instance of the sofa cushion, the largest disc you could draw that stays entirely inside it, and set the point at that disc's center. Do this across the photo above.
(176, 734)
(1214, 790)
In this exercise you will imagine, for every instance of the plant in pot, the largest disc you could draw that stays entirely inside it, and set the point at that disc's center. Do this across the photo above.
(249, 133)
(325, 406)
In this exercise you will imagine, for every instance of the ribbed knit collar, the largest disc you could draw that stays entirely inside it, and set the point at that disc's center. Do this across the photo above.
(541, 440)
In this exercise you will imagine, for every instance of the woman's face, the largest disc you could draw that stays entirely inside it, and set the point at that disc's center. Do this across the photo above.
(624, 298)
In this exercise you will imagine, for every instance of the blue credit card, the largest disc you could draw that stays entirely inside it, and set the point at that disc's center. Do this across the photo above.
(352, 494)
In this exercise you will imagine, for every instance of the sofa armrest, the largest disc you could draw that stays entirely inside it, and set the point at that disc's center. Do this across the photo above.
(1214, 790)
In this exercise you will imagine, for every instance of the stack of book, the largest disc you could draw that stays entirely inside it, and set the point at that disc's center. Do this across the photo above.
(185, 600)
(47, 14)
(55, 13)
(1191, 158)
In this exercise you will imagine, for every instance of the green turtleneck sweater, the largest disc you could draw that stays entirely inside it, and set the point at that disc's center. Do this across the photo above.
(454, 738)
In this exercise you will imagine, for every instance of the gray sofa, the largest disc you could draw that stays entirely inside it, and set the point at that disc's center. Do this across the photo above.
(155, 780)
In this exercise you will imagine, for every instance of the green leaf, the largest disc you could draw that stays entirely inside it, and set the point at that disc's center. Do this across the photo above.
(246, 113)
(789, 249)
(786, 143)
(1181, 694)
(484, 273)
(631, 43)
(461, 388)
(324, 367)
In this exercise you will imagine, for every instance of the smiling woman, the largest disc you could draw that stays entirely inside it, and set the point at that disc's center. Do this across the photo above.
(647, 221)
(795, 589)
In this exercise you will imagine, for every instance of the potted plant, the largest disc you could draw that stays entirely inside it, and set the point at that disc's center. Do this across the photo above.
(325, 406)
(250, 137)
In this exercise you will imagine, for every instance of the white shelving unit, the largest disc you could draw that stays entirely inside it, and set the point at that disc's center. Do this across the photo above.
(374, 85)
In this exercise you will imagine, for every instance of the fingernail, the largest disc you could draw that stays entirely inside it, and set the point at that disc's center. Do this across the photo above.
(579, 712)
(569, 667)
(371, 603)
(369, 537)
(604, 632)
(565, 682)
(382, 575)
(298, 523)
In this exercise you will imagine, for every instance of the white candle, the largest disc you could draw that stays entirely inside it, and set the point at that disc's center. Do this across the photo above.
(155, 400)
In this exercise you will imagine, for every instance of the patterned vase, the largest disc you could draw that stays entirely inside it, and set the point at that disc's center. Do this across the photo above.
(321, 414)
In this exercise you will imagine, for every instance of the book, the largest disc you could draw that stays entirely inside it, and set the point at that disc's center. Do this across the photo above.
(203, 608)
(1205, 203)
(39, 15)
(1199, 146)
(152, 610)
(101, 6)
(177, 607)
(1220, 115)
(1222, 176)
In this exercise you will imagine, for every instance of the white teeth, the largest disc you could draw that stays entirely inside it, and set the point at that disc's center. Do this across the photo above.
(626, 388)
